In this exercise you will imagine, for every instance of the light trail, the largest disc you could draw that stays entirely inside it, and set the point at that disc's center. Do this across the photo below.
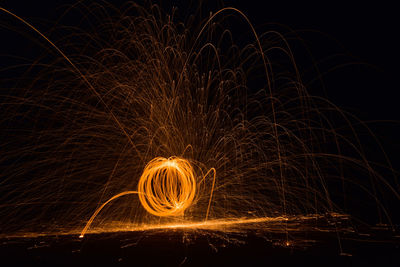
(269, 224)
(167, 187)
(152, 106)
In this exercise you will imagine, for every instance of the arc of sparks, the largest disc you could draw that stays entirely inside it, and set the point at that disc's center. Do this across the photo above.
(101, 207)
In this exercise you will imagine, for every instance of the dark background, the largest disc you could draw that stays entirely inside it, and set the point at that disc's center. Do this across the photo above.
(355, 44)
(366, 33)
(359, 47)
(361, 40)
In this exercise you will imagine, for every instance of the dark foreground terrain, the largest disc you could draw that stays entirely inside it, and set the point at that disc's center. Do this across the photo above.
(376, 247)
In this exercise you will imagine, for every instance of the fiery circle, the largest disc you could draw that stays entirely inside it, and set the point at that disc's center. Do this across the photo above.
(167, 186)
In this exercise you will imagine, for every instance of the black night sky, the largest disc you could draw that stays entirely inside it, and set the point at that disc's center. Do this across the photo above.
(355, 44)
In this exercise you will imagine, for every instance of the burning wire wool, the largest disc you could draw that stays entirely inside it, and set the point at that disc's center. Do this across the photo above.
(167, 187)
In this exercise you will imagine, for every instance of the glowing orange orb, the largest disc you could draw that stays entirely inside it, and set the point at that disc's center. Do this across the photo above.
(167, 187)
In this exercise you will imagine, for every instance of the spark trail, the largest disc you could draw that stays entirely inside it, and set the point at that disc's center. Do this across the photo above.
(202, 130)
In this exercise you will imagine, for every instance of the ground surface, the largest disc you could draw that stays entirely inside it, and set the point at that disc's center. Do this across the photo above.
(183, 247)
